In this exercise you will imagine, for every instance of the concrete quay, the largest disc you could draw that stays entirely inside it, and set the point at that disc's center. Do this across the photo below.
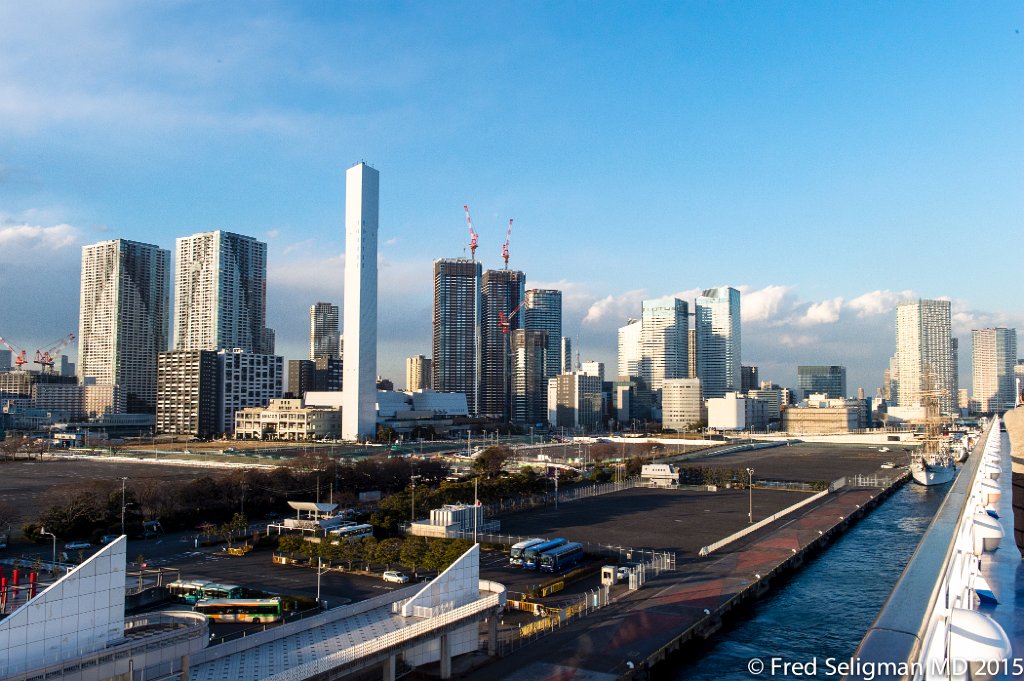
(627, 639)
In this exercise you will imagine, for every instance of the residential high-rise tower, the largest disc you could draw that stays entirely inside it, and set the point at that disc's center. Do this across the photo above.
(123, 319)
(323, 331)
(456, 362)
(924, 353)
(503, 293)
(993, 361)
(220, 293)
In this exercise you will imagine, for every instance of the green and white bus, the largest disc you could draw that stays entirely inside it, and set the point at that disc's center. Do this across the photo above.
(255, 610)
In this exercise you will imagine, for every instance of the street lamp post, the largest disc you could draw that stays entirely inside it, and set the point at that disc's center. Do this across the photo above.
(123, 504)
(750, 491)
(413, 479)
(53, 561)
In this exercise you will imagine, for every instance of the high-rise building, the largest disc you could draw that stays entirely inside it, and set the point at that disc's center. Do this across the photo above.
(663, 341)
(503, 293)
(566, 353)
(718, 341)
(682, 404)
(629, 348)
(188, 393)
(300, 377)
(246, 379)
(5, 359)
(827, 379)
(543, 310)
(220, 293)
(323, 331)
(993, 361)
(359, 385)
(691, 349)
(575, 401)
(456, 338)
(748, 378)
(592, 367)
(417, 373)
(328, 374)
(924, 357)
(529, 384)
(123, 317)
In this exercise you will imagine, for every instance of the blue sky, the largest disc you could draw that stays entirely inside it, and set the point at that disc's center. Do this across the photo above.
(826, 158)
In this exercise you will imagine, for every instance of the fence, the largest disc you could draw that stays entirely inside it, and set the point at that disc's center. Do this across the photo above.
(512, 639)
(563, 497)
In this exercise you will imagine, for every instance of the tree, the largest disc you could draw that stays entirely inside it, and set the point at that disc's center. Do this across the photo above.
(491, 461)
(388, 552)
(369, 550)
(290, 543)
(414, 550)
(228, 530)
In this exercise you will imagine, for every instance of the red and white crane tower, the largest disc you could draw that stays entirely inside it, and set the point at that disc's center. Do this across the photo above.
(45, 357)
(472, 233)
(17, 355)
(504, 247)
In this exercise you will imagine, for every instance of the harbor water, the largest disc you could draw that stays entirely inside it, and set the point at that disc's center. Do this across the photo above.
(824, 609)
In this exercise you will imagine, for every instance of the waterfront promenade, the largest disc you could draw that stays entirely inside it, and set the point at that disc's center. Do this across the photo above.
(638, 630)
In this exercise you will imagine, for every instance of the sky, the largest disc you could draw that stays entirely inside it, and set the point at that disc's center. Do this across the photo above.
(827, 159)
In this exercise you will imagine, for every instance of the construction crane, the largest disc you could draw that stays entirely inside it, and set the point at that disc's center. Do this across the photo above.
(44, 358)
(472, 233)
(504, 248)
(504, 323)
(18, 355)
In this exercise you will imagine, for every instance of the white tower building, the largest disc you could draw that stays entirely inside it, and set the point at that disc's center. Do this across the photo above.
(359, 377)
(718, 341)
(123, 317)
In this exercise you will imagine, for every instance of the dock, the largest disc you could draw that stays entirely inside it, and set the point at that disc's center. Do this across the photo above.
(626, 639)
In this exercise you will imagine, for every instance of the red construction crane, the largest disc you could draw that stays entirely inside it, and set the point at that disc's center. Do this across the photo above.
(504, 322)
(472, 233)
(504, 248)
(17, 355)
(44, 358)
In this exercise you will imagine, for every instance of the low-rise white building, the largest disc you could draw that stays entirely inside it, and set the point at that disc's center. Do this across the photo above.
(453, 521)
(287, 419)
(728, 412)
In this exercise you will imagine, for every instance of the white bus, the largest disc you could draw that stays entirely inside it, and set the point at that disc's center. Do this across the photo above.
(353, 532)
(516, 557)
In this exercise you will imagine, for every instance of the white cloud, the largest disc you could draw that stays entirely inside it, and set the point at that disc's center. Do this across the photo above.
(878, 302)
(19, 241)
(825, 312)
(770, 304)
(392, 241)
(616, 308)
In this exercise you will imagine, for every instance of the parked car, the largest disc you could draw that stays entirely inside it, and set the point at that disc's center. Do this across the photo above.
(107, 538)
(76, 545)
(396, 577)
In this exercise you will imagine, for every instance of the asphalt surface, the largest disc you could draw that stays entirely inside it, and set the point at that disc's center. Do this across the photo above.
(806, 462)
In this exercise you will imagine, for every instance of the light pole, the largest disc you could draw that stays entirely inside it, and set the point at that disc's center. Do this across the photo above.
(123, 504)
(413, 479)
(53, 561)
(750, 492)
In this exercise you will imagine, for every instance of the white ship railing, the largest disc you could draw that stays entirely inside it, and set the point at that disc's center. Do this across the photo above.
(930, 627)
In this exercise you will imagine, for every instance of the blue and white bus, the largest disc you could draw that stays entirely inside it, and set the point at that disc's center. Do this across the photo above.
(516, 557)
(561, 559)
(531, 556)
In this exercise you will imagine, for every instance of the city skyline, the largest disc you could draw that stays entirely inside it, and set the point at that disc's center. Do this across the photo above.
(835, 166)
